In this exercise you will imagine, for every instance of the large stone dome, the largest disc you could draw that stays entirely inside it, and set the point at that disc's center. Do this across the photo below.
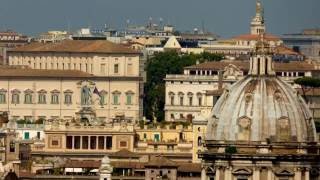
(261, 109)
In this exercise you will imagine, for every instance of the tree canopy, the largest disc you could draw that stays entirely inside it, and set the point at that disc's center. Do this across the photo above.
(308, 82)
(157, 67)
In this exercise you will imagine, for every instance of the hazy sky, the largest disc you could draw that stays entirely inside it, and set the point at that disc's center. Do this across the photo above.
(224, 17)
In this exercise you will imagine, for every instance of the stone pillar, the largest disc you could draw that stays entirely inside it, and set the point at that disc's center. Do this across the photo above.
(203, 174)
(73, 142)
(307, 174)
(227, 173)
(217, 174)
(297, 174)
(80, 142)
(270, 174)
(256, 174)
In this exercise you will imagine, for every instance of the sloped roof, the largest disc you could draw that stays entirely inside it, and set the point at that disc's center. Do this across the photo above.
(283, 50)
(77, 46)
(124, 153)
(160, 161)
(19, 72)
(82, 164)
(244, 65)
(172, 43)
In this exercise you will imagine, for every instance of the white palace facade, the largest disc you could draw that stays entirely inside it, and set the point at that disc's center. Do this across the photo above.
(72, 79)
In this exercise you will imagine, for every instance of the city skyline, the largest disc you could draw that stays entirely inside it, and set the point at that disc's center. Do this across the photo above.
(223, 17)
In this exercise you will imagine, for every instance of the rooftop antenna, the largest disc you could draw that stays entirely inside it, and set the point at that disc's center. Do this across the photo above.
(202, 26)
(160, 22)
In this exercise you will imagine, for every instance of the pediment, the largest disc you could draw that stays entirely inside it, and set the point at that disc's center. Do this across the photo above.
(242, 171)
(284, 172)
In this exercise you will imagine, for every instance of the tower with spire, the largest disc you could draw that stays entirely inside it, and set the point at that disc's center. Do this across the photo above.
(257, 23)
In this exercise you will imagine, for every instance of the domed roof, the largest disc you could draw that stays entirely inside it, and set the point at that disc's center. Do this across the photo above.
(261, 108)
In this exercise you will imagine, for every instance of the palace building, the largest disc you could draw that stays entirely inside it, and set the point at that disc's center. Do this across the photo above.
(72, 79)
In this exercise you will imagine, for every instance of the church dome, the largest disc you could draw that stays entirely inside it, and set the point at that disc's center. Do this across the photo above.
(261, 108)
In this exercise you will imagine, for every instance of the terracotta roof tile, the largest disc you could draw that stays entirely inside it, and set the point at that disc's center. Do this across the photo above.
(124, 154)
(160, 161)
(77, 46)
(129, 165)
(82, 164)
(189, 167)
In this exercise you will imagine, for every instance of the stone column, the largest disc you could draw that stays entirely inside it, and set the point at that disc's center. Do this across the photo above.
(307, 174)
(270, 174)
(203, 174)
(217, 174)
(80, 142)
(297, 174)
(227, 173)
(256, 174)
(73, 142)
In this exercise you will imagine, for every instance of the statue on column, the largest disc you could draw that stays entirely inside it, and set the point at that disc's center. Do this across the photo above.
(86, 96)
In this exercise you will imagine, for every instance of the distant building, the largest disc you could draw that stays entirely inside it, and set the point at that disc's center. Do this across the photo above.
(9, 40)
(242, 45)
(188, 94)
(53, 36)
(306, 43)
(72, 79)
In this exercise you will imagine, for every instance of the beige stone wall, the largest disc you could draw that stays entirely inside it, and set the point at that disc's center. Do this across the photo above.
(96, 64)
(61, 110)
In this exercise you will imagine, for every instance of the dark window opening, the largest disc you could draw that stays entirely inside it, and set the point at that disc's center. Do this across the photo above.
(109, 142)
(93, 142)
(69, 142)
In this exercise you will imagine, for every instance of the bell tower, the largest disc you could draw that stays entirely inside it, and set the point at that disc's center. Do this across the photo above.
(257, 23)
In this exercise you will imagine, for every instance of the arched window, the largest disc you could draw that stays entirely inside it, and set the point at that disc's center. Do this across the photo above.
(3, 93)
(129, 97)
(28, 96)
(103, 97)
(171, 96)
(190, 97)
(199, 141)
(116, 97)
(181, 98)
(68, 97)
(42, 97)
(55, 97)
(199, 96)
(15, 98)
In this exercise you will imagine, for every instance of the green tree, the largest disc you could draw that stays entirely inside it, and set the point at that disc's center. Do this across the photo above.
(157, 67)
(307, 84)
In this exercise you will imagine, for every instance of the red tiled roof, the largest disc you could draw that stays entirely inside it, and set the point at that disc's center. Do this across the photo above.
(82, 164)
(160, 161)
(77, 46)
(282, 50)
(268, 37)
(123, 153)
(189, 167)
(129, 165)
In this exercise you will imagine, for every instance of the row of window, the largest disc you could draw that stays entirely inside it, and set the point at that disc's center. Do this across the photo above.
(181, 99)
(55, 97)
(42, 98)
